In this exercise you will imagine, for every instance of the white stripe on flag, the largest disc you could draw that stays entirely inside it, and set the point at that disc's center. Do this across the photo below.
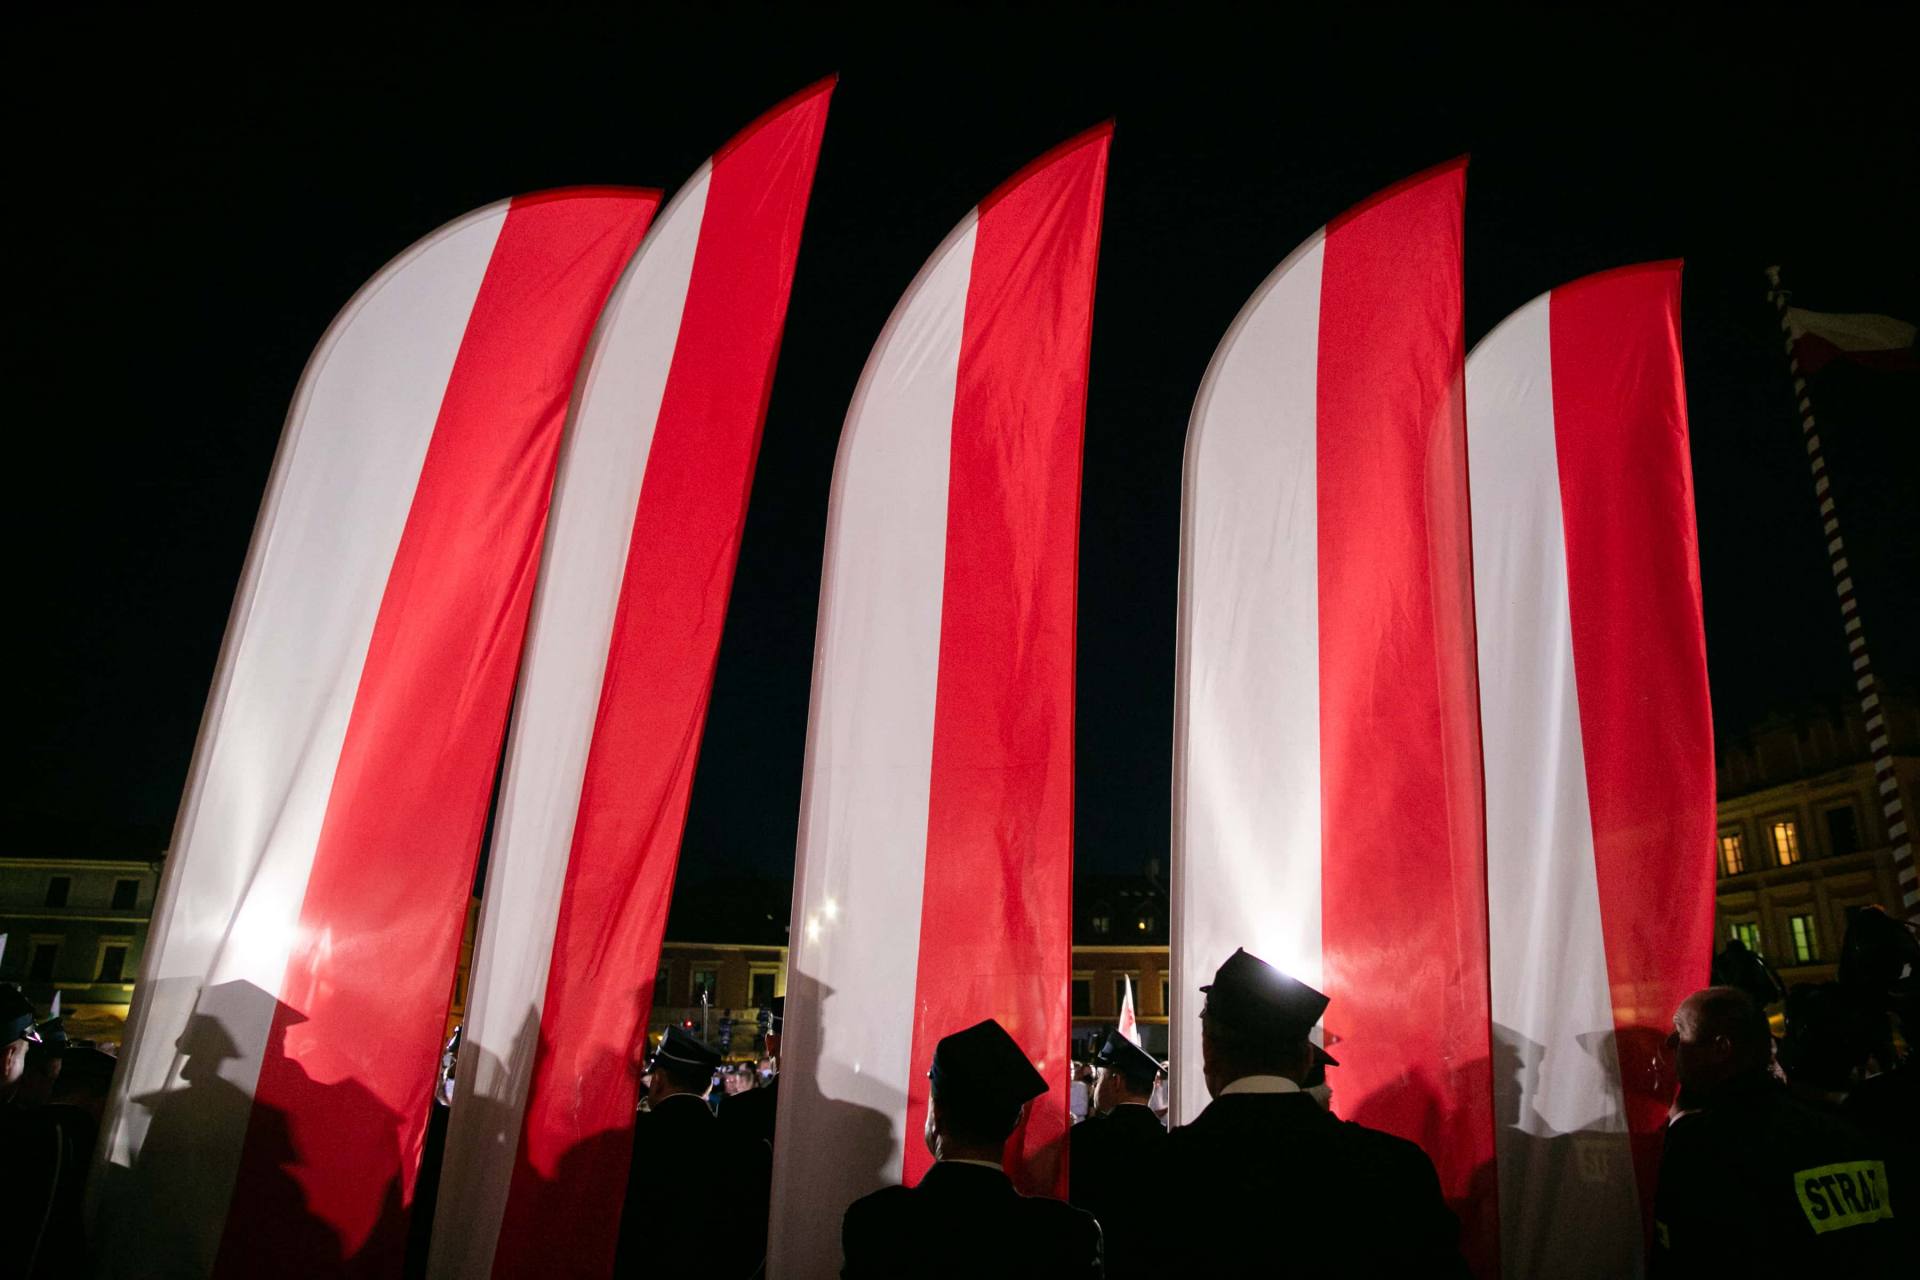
(224, 923)
(598, 484)
(1247, 799)
(1556, 1078)
(868, 775)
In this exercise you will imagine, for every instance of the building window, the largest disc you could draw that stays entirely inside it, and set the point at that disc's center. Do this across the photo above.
(1786, 842)
(705, 984)
(125, 894)
(1102, 924)
(762, 981)
(57, 890)
(1733, 858)
(1083, 997)
(45, 956)
(1843, 831)
(1166, 997)
(1806, 946)
(1747, 934)
(113, 964)
(662, 980)
(1120, 982)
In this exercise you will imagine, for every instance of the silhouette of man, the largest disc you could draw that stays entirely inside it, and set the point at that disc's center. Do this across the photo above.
(1752, 1180)
(685, 1167)
(965, 1218)
(1116, 1157)
(1266, 1176)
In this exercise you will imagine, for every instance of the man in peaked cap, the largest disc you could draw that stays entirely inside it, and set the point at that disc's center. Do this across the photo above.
(965, 1218)
(1116, 1158)
(688, 1171)
(753, 1111)
(1266, 1174)
(18, 1033)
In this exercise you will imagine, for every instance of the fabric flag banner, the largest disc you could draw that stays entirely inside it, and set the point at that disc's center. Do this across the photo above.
(1129, 1022)
(1326, 751)
(648, 510)
(934, 875)
(1880, 342)
(1599, 753)
(268, 1114)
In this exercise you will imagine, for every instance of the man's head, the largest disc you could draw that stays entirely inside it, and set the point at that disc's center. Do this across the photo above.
(982, 1083)
(1255, 1022)
(17, 1034)
(1126, 1075)
(682, 1064)
(1719, 1035)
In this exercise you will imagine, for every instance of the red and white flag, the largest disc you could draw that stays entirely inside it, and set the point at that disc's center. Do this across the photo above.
(1326, 748)
(1599, 753)
(1129, 1022)
(272, 1097)
(935, 866)
(645, 532)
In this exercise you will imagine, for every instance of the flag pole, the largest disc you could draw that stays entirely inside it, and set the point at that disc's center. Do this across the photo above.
(1881, 753)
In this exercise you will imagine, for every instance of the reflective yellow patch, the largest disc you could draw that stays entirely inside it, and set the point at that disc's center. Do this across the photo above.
(1843, 1195)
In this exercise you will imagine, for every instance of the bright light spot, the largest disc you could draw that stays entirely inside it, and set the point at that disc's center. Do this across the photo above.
(830, 909)
(813, 928)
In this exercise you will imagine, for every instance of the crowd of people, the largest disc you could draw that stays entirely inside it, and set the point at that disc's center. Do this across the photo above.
(1790, 1156)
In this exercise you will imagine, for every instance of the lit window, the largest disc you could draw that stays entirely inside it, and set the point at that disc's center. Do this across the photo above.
(1102, 923)
(1747, 934)
(1786, 842)
(705, 982)
(1733, 858)
(1143, 923)
(1806, 947)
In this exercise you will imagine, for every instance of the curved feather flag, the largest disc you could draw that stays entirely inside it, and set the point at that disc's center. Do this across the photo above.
(1326, 749)
(651, 498)
(1599, 753)
(269, 1108)
(934, 875)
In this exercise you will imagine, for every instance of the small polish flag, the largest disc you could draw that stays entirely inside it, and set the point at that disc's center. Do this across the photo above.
(1129, 1025)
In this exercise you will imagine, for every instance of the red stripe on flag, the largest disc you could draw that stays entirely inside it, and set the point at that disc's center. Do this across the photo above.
(339, 1111)
(1639, 659)
(570, 1173)
(996, 910)
(1403, 851)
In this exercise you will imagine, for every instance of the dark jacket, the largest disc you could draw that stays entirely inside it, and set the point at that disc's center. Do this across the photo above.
(691, 1185)
(967, 1220)
(1759, 1183)
(1272, 1183)
(1116, 1172)
(751, 1114)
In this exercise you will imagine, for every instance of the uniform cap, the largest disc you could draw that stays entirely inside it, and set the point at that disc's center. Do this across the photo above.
(1252, 996)
(53, 1035)
(1129, 1059)
(983, 1064)
(16, 1017)
(683, 1049)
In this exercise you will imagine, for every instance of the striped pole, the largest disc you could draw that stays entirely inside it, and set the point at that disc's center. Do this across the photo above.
(1882, 754)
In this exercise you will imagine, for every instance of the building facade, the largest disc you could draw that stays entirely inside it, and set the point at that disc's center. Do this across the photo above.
(77, 927)
(1803, 836)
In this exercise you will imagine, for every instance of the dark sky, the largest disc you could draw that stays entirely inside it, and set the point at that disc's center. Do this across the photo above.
(192, 206)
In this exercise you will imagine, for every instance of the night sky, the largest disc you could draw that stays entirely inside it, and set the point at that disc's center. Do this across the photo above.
(191, 207)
